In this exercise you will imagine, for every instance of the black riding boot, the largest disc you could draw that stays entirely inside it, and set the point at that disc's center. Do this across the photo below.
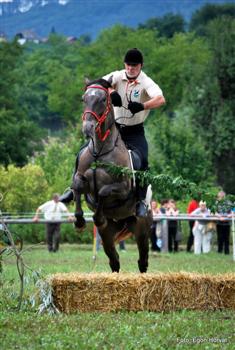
(67, 197)
(141, 207)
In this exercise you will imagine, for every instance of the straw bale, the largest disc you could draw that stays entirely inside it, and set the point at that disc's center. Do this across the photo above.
(105, 292)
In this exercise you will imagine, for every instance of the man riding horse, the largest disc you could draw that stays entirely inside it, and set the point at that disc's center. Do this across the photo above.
(133, 95)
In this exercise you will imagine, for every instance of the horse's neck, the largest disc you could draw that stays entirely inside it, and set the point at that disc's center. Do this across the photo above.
(100, 147)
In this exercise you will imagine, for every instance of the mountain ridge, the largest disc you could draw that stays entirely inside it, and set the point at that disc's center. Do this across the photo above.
(80, 17)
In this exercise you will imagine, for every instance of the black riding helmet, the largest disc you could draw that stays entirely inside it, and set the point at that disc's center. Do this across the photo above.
(133, 56)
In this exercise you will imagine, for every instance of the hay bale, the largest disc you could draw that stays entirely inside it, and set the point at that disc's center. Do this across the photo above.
(89, 292)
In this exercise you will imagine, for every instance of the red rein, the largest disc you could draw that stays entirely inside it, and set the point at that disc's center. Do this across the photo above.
(100, 119)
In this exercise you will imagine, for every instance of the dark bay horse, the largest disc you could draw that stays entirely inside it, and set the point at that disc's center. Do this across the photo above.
(111, 197)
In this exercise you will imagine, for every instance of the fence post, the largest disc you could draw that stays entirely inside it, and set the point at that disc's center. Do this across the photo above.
(233, 234)
(164, 224)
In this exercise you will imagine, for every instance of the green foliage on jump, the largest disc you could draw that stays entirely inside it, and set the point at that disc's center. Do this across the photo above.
(166, 186)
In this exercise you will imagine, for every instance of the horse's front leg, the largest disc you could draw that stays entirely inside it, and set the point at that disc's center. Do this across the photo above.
(78, 186)
(107, 234)
(80, 221)
(116, 190)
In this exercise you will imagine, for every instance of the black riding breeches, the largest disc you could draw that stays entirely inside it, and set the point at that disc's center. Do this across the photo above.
(134, 139)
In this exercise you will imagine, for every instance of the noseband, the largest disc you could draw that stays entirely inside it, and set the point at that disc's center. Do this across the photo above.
(100, 119)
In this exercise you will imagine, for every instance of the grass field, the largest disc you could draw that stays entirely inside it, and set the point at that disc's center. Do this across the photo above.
(123, 330)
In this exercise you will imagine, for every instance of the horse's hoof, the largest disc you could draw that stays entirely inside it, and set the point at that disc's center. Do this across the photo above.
(79, 229)
(80, 223)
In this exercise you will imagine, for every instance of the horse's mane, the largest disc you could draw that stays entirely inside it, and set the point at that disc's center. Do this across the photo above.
(101, 82)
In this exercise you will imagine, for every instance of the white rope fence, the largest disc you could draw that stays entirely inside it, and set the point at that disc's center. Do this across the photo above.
(27, 218)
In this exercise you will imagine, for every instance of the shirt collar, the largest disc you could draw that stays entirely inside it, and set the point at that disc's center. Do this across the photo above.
(138, 80)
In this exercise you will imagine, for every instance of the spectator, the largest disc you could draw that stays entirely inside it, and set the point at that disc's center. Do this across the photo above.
(97, 238)
(122, 246)
(202, 238)
(52, 211)
(153, 236)
(223, 225)
(172, 226)
(163, 226)
(193, 204)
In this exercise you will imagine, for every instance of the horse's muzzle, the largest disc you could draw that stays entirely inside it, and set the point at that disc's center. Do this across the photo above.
(88, 129)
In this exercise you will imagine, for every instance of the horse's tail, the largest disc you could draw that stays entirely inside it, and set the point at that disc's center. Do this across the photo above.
(122, 235)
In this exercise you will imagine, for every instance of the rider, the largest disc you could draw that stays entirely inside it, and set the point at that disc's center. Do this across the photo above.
(133, 94)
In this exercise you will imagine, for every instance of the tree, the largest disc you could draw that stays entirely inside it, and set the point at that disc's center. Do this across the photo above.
(19, 136)
(23, 188)
(165, 26)
(207, 13)
(213, 100)
(176, 64)
(51, 90)
(57, 161)
(176, 150)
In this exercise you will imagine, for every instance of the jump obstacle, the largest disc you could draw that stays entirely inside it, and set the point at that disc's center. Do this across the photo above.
(109, 292)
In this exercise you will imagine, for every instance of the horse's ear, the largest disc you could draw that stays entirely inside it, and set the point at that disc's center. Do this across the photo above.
(86, 80)
(110, 80)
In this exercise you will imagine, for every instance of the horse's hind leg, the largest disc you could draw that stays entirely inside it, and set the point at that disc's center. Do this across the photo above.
(107, 234)
(142, 239)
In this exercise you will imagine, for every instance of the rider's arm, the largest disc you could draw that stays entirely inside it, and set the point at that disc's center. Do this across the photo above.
(154, 102)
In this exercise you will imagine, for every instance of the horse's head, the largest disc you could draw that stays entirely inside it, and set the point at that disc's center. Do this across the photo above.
(98, 110)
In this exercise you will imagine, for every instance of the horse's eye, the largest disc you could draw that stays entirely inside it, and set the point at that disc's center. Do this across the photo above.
(103, 99)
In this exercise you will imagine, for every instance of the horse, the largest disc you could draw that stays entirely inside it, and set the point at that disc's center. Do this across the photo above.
(111, 197)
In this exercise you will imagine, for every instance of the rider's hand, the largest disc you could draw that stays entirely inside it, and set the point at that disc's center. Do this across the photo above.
(135, 107)
(116, 99)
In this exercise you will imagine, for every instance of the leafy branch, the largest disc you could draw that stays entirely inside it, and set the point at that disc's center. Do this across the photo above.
(176, 187)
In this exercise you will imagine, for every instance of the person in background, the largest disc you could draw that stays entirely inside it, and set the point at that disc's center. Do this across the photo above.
(153, 236)
(172, 226)
(122, 246)
(98, 238)
(163, 226)
(193, 204)
(202, 239)
(223, 225)
(52, 211)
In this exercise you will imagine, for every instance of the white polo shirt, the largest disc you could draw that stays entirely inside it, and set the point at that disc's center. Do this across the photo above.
(53, 210)
(141, 90)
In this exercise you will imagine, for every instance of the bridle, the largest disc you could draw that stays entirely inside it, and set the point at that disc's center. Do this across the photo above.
(100, 119)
